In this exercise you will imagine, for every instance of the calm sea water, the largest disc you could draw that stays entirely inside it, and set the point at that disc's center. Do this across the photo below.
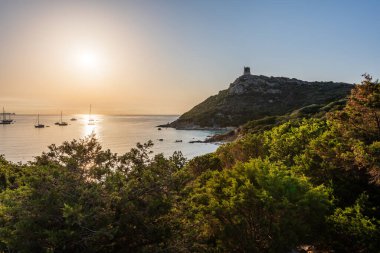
(21, 141)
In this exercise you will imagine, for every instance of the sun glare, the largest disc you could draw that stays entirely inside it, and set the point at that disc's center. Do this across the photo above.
(89, 60)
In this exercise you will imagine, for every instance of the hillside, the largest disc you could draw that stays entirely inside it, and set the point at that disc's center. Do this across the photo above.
(269, 122)
(252, 97)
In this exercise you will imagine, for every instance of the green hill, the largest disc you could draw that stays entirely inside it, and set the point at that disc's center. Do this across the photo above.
(268, 122)
(252, 97)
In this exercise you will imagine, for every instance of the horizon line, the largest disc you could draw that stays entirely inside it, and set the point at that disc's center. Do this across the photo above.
(104, 114)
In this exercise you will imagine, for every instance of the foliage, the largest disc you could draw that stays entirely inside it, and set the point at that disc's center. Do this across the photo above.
(79, 198)
(305, 180)
(255, 207)
(282, 143)
(201, 164)
(251, 146)
(310, 111)
(360, 120)
(341, 152)
(352, 230)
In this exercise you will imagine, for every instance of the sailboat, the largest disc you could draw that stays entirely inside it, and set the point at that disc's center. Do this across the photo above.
(38, 123)
(61, 123)
(90, 119)
(6, 121)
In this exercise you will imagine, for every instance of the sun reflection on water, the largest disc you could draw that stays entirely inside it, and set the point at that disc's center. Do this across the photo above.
(91, 125)
(89, 129)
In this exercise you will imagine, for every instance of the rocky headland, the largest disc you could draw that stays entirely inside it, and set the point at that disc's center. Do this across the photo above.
(253, 97)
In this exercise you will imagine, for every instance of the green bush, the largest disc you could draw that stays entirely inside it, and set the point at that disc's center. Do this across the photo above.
(257, 206)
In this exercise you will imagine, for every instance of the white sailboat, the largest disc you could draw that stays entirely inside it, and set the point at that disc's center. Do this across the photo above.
(6, 121)
(61, 123)
(38, 125)
(90, 119)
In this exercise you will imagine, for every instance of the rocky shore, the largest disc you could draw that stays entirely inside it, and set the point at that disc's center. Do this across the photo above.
(251, 97)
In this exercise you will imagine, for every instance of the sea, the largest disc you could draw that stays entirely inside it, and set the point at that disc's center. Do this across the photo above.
(21, 141)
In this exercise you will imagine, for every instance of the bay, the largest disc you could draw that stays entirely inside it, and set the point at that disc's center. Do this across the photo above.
(21, 141)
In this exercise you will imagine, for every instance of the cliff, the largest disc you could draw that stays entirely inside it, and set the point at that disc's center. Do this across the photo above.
(252, 97)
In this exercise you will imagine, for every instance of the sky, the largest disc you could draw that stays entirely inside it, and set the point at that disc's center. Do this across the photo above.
(166, 56)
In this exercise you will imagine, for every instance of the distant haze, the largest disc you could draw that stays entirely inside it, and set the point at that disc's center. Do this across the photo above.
(165, 56)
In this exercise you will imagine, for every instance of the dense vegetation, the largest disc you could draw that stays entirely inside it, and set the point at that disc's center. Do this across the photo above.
(268, 122)
(312, 181)
(252, 97)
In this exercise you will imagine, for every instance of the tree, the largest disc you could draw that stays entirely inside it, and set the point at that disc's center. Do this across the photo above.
(79, 198)
(352, 231)
(257, 206)
(360, 118)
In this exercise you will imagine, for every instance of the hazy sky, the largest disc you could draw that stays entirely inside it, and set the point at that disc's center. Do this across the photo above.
(165, 56)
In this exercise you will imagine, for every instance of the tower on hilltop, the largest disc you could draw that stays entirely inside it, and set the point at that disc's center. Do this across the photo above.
(247, 70)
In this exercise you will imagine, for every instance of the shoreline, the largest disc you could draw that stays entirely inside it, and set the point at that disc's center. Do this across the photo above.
(227, 134)
(198, 128)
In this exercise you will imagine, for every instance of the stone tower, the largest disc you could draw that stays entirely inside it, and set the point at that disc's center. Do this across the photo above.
(247, 70)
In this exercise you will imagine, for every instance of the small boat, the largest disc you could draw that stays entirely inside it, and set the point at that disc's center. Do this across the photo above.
(38, 123)
(6, 121)
(178, 140)
(61, 123)
(90, 119)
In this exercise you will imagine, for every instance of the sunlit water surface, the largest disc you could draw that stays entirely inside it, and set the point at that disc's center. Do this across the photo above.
(21, 141)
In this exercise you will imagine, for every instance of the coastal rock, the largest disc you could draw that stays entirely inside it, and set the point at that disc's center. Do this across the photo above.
(252, 97)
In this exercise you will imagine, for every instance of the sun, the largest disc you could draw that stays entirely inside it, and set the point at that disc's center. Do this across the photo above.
(88, 60)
